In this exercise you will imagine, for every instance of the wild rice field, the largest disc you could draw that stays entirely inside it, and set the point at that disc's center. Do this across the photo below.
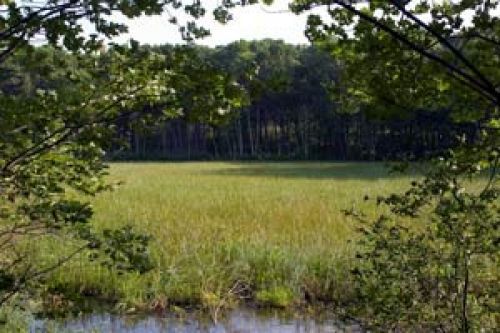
(264, 233)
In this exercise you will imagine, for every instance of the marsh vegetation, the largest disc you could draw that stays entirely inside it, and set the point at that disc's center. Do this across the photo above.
(265, 233)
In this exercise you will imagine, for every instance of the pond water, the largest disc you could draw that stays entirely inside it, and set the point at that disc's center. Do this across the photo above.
(238, 321)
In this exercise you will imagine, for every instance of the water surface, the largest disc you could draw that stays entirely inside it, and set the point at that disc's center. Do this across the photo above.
(238, 321)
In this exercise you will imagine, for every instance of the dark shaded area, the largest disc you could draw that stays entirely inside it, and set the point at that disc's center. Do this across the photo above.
(305, 170)
(341, 138)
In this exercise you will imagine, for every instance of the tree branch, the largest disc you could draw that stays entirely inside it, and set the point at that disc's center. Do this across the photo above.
(456, 72)
(488, 84)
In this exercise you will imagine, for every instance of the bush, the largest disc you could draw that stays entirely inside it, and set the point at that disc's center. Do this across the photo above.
(432, 263)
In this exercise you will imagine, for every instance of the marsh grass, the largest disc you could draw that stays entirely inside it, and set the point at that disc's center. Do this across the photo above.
(268, 233)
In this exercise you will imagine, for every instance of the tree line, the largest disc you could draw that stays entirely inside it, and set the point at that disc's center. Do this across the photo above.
(293, 113)
(292, 109)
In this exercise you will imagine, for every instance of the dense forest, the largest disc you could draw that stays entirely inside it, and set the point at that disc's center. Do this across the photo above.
(293, 110)
(293, 114)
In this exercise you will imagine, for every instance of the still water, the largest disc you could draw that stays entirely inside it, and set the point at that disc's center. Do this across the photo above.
(238, 321)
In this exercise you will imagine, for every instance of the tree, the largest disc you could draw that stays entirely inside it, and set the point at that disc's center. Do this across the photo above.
(456, 50)
(398, 57)
(293, 114)
(59, 115)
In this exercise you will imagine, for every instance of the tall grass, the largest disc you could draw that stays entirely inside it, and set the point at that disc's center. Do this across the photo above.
(271, 233)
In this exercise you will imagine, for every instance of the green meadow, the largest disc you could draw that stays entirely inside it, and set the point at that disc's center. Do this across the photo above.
(224, 233)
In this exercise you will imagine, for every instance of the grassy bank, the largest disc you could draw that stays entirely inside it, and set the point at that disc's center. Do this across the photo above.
(270, 233)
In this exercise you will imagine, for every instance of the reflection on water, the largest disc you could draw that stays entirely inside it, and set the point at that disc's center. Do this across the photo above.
(239, 321)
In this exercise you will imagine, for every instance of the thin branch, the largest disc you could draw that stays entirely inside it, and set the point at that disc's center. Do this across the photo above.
(484, 38)
(456, 72)
(65, 132)
(493, 174)
(12, 30)
(488, 84)
(28, 276)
